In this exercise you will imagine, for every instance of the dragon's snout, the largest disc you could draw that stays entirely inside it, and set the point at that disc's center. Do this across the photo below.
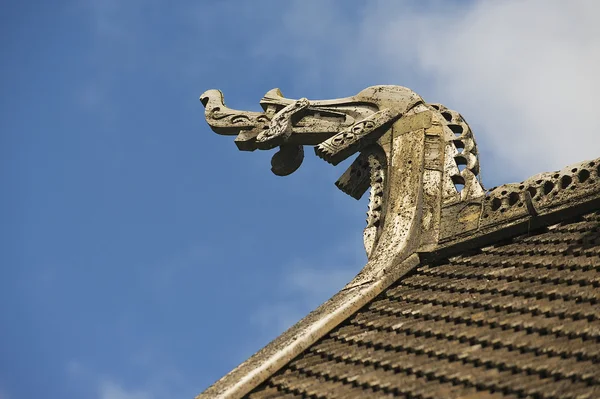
(211, 97)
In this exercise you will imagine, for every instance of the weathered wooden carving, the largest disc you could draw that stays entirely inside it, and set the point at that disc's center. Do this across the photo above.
(421, 162)
(414, 156)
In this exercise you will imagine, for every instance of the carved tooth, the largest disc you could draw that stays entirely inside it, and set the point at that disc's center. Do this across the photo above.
(356, 179)
(324, 152)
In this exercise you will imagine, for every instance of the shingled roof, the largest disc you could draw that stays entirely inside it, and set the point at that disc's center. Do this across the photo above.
(467, 293)
(516, 319)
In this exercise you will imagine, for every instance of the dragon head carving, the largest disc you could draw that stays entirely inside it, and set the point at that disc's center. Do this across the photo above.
(376, 123)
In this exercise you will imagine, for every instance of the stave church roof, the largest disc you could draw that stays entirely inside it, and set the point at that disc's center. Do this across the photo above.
(516, 319)
(467, 293)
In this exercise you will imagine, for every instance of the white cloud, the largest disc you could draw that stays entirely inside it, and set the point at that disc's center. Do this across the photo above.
(101, 386)
(75, 369)
(114, 20)
(523, 73)
(161, 381)
(305, 283)
(111, 390)
(161, 276)
(302, 288)
(274, 318)
(305, 279)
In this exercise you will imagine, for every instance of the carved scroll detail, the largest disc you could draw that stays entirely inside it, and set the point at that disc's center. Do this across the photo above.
(228, 121)
(281, 126)
(353, 139)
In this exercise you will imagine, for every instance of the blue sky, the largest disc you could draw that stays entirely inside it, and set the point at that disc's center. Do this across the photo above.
(142, 255)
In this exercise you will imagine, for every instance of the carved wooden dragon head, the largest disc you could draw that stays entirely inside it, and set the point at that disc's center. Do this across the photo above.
(411, 153)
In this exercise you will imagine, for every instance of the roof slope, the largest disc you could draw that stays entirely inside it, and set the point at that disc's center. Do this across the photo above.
(519, 319)
(434, 313)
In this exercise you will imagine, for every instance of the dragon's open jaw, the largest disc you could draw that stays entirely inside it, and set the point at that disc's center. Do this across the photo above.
(339, 128)
(310, 124)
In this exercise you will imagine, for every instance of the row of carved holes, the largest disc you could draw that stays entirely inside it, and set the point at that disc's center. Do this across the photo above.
(457, 129)
(375, 212)
(583, 175)
(458, 180)
(461, 161)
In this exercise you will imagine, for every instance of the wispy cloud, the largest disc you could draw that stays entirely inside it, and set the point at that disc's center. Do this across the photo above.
(274, 318)
(116, 21)
(119, 32)
(112, 390)
(161, 383)
(161, 276)
(302, 289)
(523, 73)
(307, 282)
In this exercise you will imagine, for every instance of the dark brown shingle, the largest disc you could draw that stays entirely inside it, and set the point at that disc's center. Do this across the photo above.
(520, 319)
